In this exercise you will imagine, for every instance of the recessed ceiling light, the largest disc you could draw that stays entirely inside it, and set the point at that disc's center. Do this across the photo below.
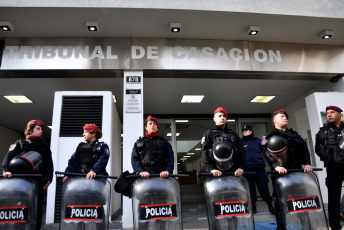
(253, 30)
(262, 99)
(198, 149)
(175, 27)
(326, 34)
(169, 134)
(92, 26)
(190, 154)
(18, 99)
(182, 121)
(230, 120)
(187, 156)
(183, 159)
(192, 98)
(6, 26)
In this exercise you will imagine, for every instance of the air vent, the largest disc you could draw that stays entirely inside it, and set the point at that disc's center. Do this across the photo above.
(80, 110)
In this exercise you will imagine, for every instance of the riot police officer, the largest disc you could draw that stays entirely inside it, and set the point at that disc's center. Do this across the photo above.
(222, 149)
(329, 146)
(40, 161)
(90, 157)
(284, 149)
(152, 154)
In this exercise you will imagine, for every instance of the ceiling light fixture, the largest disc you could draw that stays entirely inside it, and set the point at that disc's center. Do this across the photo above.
(192, 98)
(18, 99)
(253, 30)
(198, 149)
(230, 120)
(92, 26)
(190, 154)
(182, 121)
(187, 156)
(6, 26)
(262, 99)
(169, 134)
(175, 27)
(326, 34)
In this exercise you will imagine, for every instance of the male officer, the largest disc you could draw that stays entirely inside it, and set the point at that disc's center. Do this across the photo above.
(329, 146)
(284, 149)
(152, 153)
(221, 147)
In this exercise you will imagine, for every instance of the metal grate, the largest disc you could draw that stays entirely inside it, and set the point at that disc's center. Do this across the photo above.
(80, 110)
(58, 198)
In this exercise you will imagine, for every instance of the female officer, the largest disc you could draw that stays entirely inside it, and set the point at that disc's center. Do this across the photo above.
(32, 142)
(90, 157)
(152, 153)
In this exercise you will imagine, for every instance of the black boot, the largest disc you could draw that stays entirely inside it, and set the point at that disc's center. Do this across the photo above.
(271, 208)
(254, 208)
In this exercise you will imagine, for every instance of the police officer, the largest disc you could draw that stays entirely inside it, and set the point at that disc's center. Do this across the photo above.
(329, 146)
(284, 149)
(90, 157)
(222, 149)
(152, 154)
(254, 162)
(33, 142)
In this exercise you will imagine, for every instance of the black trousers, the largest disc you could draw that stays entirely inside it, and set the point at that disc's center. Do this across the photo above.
(260, 179)
(335, 176)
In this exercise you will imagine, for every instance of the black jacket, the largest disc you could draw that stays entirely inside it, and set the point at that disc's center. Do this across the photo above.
(327, 145)
(41, 146)
(207, 145)
(297, 152)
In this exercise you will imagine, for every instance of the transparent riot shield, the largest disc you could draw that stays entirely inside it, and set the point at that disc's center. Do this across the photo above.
(156, 203)
(18, 202)
(85, 203)
(300, 201)
(228, 202)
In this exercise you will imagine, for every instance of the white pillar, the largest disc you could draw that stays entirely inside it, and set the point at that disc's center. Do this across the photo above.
(132, 129)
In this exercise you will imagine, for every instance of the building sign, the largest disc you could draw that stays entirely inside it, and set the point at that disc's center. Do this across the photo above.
(176, 54)
(133, 100)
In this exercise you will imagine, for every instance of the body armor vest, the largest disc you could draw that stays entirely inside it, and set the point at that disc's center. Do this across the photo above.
(152, 154)
(334, 137)
(86, 156)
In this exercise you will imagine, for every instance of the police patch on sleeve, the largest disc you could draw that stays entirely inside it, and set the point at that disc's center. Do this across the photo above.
(12, 147)
(107, 151)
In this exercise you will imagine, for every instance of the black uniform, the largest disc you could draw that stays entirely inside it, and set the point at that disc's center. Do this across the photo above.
(297, 154)
(208, 140)
(327, 148)
(152, 155)
(46, 168)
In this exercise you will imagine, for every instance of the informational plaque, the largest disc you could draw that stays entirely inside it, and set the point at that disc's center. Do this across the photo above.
(133, 100)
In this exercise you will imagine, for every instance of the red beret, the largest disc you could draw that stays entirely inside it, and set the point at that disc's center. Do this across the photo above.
(282, 111)
(91, 128)
(221, 110)
(152, 118)
(335, 108)
(36, 122)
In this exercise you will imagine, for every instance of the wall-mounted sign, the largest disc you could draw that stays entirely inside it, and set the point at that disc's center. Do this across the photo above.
(133, 79)
(133, 98)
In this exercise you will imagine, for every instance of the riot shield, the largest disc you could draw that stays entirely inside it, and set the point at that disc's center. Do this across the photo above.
(156, 203)
(18, 202)
(300, 201)
(85, 203)
(228, 203)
